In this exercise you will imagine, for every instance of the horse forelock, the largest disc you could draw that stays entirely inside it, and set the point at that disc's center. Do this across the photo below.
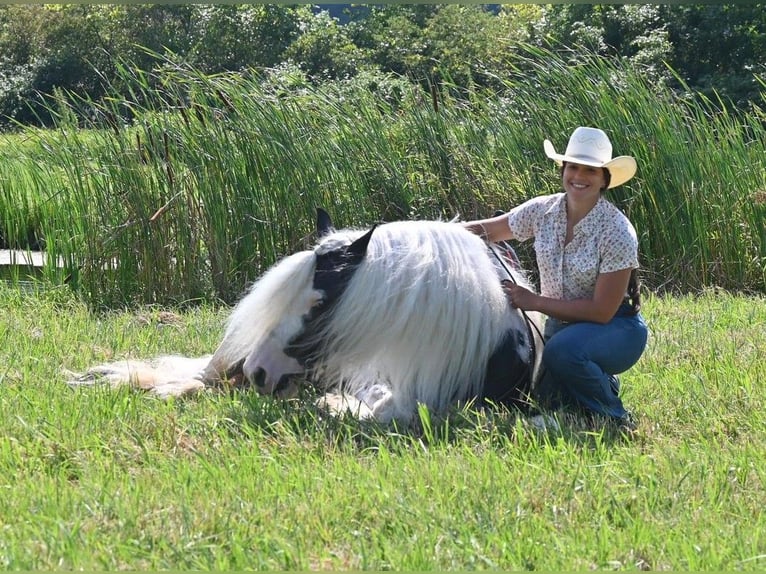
(423, 313)
(274, 307)
(336, 260)
(337, 240)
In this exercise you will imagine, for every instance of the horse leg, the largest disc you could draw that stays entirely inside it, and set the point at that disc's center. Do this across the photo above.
(384, 409)
(339, 404)
(167, 376)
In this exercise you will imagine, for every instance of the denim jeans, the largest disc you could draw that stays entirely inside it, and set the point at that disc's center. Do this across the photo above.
(581, 361)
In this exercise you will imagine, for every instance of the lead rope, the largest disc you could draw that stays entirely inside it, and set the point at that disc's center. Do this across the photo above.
(510, 253)
(530, 324)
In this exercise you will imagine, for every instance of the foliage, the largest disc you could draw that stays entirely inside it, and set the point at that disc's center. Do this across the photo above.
(46, 50)
(716, 49)
(324, 51)
(634, 32)
(240, 37)
(428, 43)
(108, 479)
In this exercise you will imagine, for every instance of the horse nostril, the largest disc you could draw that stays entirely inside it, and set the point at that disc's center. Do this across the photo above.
(284, 382)
(258, 378)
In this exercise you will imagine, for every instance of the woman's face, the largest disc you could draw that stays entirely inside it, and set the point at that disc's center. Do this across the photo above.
(583, 181)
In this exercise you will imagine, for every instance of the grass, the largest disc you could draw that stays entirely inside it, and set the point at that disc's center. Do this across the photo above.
(103, 479)
(191, 187)
(217, 177)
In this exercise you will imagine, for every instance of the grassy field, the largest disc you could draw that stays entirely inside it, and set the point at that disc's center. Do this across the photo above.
(214, 178)
(105, 479)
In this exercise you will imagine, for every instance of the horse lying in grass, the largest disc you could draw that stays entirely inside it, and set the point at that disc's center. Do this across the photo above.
(406, 313)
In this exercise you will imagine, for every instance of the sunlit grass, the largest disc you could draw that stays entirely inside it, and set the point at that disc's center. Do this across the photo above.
(164, 217)
(102, 479)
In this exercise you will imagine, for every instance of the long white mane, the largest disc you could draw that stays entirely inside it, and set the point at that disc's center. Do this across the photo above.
(421, 315)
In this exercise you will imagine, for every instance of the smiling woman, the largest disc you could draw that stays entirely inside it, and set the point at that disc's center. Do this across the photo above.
(587, 254)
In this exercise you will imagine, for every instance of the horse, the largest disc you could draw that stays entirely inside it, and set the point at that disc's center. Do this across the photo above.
(381, 320)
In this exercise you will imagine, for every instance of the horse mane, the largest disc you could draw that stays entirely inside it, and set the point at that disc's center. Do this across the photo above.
(422, 314)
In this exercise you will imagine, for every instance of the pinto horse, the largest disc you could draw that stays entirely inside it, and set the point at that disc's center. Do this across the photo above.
(405, 313)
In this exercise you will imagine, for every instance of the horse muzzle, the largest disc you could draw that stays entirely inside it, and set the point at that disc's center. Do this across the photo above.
(271, 371)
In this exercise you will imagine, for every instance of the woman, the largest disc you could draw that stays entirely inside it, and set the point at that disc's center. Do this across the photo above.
(587, 255)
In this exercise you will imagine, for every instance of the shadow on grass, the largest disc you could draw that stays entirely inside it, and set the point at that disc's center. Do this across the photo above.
(301, 419)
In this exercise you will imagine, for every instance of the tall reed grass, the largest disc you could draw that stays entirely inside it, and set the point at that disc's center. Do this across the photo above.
(191, 186)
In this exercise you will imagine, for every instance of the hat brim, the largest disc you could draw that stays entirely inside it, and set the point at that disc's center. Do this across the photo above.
(621, 168)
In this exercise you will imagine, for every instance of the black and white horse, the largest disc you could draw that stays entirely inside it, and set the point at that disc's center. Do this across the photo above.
(406, 313)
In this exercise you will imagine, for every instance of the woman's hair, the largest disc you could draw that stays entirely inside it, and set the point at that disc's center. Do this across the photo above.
(634, 292)
(607, 179)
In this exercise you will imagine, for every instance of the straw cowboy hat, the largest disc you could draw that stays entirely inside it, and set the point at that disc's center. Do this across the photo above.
(591, 146)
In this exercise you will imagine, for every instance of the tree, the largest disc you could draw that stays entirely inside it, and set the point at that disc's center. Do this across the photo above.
(719, 48)
(714, 48)
(324, 49)
(236, 37)
(50, 48)
(463, 42)
(392, 37)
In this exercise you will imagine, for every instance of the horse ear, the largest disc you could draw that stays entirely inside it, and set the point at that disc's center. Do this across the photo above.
(324, 223)
(359, 247)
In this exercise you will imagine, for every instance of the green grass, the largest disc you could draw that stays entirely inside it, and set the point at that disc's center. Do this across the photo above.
(205, 181)
(102, 479)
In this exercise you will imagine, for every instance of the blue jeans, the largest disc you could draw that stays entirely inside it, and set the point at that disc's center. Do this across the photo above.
(581, 361)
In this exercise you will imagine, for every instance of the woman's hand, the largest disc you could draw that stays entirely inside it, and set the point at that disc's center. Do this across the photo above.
(610, 289)
(519, 297)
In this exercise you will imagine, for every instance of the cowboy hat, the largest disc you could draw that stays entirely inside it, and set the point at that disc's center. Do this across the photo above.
(591, 146)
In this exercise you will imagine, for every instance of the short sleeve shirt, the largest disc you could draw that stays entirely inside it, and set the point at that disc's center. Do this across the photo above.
(603, 241)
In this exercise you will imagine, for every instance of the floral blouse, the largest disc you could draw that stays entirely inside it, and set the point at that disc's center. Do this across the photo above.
(603, 241)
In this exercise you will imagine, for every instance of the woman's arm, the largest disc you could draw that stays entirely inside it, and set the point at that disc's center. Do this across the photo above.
(609, 293)
(491, 230)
